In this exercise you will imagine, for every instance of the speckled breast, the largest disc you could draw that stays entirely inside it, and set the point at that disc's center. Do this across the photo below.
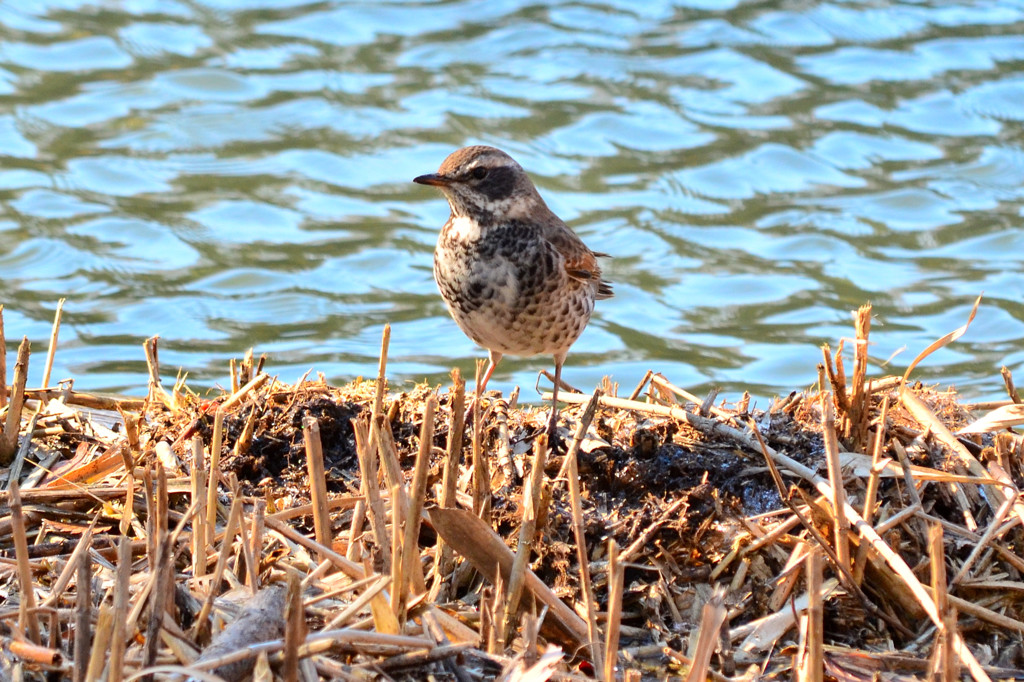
(508, 292)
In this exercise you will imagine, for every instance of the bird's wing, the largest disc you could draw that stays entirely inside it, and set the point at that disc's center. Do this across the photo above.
(580, 262)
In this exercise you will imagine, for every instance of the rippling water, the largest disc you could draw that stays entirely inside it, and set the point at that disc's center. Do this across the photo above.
(229, 175)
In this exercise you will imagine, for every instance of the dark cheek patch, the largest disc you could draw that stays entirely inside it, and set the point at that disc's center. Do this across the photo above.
(498, 184)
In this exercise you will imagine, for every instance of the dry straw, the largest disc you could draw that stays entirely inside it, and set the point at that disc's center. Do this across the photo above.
(318, 532)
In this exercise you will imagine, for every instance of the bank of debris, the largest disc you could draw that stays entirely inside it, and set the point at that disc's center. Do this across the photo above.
(310, 531)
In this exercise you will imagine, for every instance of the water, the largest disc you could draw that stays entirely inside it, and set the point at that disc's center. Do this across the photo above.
(228, 175)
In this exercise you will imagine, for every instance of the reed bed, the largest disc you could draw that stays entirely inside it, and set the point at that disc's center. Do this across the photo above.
(854, 530)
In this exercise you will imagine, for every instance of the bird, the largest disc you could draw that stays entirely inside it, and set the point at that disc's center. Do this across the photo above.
(515, 278)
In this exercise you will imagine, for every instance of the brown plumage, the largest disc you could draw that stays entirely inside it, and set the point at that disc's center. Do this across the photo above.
(516, 279)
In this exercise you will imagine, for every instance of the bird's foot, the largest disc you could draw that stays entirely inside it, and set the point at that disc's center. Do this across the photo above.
(556, 443)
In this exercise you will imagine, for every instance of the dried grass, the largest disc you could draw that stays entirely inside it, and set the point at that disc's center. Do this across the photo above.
(177, 536)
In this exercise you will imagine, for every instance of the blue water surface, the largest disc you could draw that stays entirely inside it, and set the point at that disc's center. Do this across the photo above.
(231, 174)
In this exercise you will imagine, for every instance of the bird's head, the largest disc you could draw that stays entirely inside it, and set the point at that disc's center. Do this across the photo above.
(481, 182)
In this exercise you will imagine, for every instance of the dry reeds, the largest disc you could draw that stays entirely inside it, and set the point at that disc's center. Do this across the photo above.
(311, 531)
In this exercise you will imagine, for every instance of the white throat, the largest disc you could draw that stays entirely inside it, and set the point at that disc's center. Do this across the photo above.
(465, 229)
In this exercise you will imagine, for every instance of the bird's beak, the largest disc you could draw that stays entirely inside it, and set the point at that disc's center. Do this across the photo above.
(432, 179)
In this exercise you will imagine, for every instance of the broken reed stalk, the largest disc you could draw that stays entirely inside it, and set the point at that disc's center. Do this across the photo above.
(233, 373)
(9, 438)
(937, 564)
(944, 661)
(249, 368)
(3, 361)
(244, 440)
(453, 453)
(860, 399)
(842, 397)
(833, 366)
(27, 621)
(156, 388)
(835, 475)
(200, 531)
(572, 475)
(161, 567)
(51, 351)
(1007, 381)
(877, 465)
(412, 662)
(251, 576)
(162, 502)
(640, 386)
(83, 614)
(616, 577)
(33, 653)
(813, 665)
(151, 348)
(259, 513)
(505, 616)
(712, 618)
(706, 405)
(481, 478)
(350, 640)
(244, 392)
(128, 511)
(96, 402)
(398, 595)
(412, 569)
(294, 631)
(234, 517)
(317, 480)
(371, 491)
(216, 442)
(449, 482)
(150, 535)
(122, 595)
(53, 625)
(490, 604)
(945, 665)
(871, 493)
(356, 530)
(383, 443)
(382, 365)
(101, 643)
(484, 549)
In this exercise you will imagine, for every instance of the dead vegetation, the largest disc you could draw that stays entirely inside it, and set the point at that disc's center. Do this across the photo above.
(306, 531)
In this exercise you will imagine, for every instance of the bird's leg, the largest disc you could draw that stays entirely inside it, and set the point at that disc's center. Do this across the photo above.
(554, 441)
(494, 358)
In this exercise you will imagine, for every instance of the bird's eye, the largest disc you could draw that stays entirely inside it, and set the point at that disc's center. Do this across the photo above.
(479, 173)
